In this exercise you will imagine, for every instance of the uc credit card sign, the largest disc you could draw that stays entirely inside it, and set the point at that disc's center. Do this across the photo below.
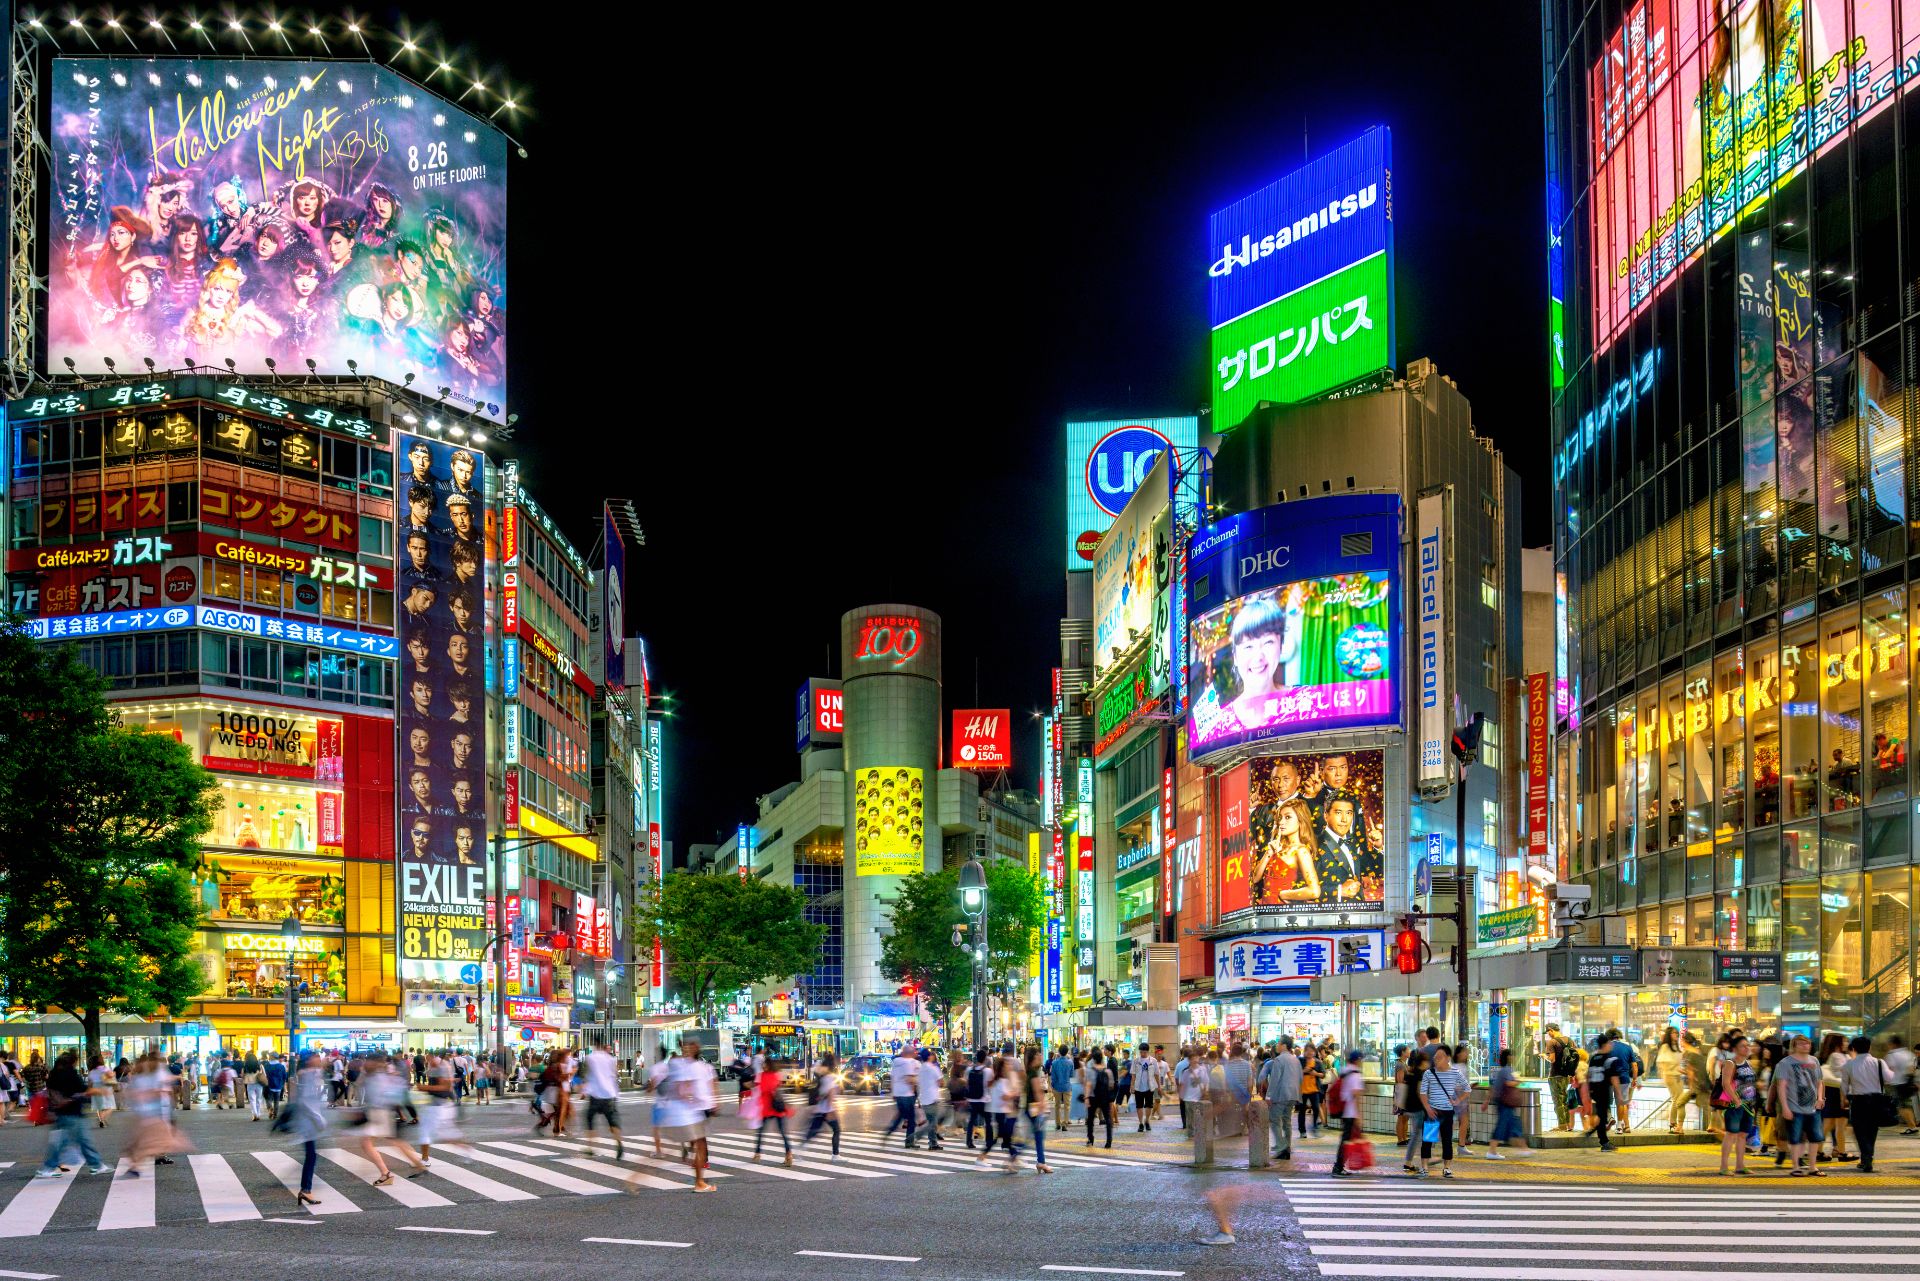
(1300, 281)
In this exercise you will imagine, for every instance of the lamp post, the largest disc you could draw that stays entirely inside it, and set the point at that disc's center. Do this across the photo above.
(973, 901)
(290, 931)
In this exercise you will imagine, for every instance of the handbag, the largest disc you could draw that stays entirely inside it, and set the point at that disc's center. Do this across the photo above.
(1430, 1132)
(1357, 1154)
(38, 1111)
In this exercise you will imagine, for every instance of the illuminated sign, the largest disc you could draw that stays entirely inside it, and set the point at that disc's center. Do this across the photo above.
(819, 714)
(1106, 463)
(64, 402)
(613, 621)
(442, 850)
(893, 639)
(1083, 892)
(513, 797)
(1054, 942)
(889, 821)
(278, 516)
(1539, 763)
(1267, 960)
(510, 601)
(982, 739)
(510, 658)
(272, 943)
(1301, 292)
(1430, 556)
(1122, 706)
(1295, 621)
(525, 1009)
(1169, 842)
(561, 661)
(212, 156)
(747, 844)
(1303, 834)
(225, 620)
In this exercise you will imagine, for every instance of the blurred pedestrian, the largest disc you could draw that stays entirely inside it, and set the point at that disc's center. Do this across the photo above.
(1280, 1081)
(1503, 1087)
(1866, 1081)
(826, 1095)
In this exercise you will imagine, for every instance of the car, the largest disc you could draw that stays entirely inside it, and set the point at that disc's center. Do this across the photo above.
(867, 1074)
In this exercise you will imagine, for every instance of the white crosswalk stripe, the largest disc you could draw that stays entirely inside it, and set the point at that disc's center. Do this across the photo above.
(773, 1156)
(404, 1190)
(287, 1170)
(1532, 1232)
(222, 1195)
(129, 1199)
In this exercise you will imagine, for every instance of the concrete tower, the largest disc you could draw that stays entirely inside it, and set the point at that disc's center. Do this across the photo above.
(890, 674)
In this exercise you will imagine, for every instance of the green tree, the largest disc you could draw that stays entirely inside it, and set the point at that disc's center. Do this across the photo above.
(724, 933)
(919, 949)
(49, 701)
(102, 911)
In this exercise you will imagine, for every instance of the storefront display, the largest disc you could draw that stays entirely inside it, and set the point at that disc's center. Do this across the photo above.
(239, 887)
(251, 965)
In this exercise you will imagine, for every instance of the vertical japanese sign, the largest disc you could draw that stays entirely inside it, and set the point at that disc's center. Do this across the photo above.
(613, 606)
(330, 772)
(656, 845)
(443, 825)
(1169, 838)
(1539, 752)
(747, 842)
(1083, 920)
(1431, 670)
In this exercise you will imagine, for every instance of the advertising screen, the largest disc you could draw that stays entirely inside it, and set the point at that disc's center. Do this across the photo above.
(613, 605)
(1695, 119)
(1129, 575)
(819, 713)
(1300, 286)
(1295, 621)
(293, 211)
(1308, 834)
(1106, 462)
(983, 740)
(443, 757)
(889, 821)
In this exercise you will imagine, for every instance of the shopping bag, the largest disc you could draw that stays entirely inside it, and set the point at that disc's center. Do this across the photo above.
(1430, 1132)
(750, 1109)
(1357, 1154)
(38, 1113)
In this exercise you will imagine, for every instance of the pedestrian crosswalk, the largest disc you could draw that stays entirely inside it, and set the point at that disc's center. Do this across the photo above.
(1387, 1227)
(215, 1188)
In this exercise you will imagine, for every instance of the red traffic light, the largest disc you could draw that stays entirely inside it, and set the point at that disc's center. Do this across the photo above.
(908, 989)
(1407, 949)
(561, 940)
(473, 1012)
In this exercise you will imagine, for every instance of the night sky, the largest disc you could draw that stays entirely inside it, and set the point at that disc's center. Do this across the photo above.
(822, 315)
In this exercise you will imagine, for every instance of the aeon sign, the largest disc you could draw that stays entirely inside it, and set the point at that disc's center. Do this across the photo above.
(890, 638)
(1118, 464)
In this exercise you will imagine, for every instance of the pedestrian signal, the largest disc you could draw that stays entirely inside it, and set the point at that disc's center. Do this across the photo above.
(1407, 949)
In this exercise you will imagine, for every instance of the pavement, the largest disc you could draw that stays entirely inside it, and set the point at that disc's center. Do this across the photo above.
(548, 1208)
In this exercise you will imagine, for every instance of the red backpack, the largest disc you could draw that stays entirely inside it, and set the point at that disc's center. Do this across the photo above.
(1336, 1095)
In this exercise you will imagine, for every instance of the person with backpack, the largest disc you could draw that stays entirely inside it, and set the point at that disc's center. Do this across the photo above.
(1503, 1086)
(1606, 1074)
(979, 1078)
(823, 1092)
(1343, 1108)
(1099, 1097)
(1565, 1062)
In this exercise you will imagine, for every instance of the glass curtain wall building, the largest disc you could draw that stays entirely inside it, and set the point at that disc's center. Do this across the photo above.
(1734, 248)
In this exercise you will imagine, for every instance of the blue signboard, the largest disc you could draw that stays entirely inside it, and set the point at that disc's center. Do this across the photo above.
(511, 649)
(614, 607)
(803, 717)
(126, 621)
(1054, 927)
(1106, 461)
(1295, 621)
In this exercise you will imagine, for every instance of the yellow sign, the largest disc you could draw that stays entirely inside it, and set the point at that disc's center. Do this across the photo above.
(272, 943)
(540, 826)
(889, 821)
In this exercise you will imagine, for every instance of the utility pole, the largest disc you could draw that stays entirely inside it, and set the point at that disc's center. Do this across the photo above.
(1466, 749)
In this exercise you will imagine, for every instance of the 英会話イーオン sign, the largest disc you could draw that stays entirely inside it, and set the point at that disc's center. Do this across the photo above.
(1301, 282)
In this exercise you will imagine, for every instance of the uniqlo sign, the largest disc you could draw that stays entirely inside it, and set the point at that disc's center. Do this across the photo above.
(982, 739)
(828, 711)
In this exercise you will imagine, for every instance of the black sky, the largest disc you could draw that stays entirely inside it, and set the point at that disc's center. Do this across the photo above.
(821, 310)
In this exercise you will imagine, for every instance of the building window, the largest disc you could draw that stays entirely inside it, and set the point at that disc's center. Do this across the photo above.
(1490, 825)
(1490, 666)
(1489, 587)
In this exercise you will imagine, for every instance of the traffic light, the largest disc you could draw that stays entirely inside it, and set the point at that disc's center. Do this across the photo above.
(1408, 949)
(908, 989)
(562, 940)
(1466, 739)
(473, 1012)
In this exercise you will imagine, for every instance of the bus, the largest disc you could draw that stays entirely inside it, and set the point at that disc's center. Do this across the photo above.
(797, 1045)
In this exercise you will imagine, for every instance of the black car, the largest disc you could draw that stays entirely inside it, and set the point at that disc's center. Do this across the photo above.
(867, 1074)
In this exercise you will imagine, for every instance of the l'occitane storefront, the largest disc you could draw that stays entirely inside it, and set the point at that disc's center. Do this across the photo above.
(278, 850)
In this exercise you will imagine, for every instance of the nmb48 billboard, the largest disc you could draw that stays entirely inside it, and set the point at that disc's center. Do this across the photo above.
(1301, 281)
(329, 212)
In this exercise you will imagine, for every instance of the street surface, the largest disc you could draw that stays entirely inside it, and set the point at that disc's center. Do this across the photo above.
(883, 1212)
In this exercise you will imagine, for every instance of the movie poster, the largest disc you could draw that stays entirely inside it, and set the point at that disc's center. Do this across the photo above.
(1309, 835)
(276, 211)
(443, 757)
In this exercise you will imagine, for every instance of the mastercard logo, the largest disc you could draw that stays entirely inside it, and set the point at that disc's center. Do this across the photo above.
(1084, 545)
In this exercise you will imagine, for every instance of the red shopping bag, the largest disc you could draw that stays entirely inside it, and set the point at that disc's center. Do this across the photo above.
(38, 1113)
(1358, 1154)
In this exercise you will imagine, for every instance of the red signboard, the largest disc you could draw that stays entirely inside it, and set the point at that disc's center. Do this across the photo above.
(1169, 830)
(982, 739)
(658, 978)
(329, 752)
(510, 596)
(279, 516)
(513, 796)
(110, 510)
(586, 927)
(1539, 749)
(510, 537)
(829, 708)
(1234, 861)
(331, 828)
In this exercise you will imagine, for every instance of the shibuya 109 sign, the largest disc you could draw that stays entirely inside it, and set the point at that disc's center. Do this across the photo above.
(1301, 284)
(325, 213)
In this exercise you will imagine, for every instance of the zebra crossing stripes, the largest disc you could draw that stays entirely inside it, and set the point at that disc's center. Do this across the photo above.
(1376, 1227)
(222, 1196)
(287, 1170)
(405, 1191)
(129, 1199)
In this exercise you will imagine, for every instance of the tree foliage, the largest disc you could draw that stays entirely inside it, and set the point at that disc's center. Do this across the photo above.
(920, 947)
(724, 933)
(101, 827)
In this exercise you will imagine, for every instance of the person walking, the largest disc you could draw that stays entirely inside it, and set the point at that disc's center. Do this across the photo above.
(600, 1082)
(826, 1093)
(1307, 1105)
(436, 1121)
(1736, 1093)
(1900, 1062)
(1605, 1072)
(932, 1096)
(1564, 1060)
(67, 1094)
(1413, 1105)
(1866, 1081)
(382, 1092)
(1192, 1082)
(1005, 1103)
(773, 1111)
(1038, 1087)
(150, 1096)
(1344, 1099)
(1799, 1096)
(979, 1079)
(687, 1096)
(1442, 1089)
(902, 1083)
(102, 1085)
(1632, 1068)
(1099, 1097)
(1146, 1088)
(656, 1083)
(1503, 1087)
(1280, 1080)
(303, 1117)
(1060, 1087)
(276, 1089)
(1670, 1062)
(1833, 1062)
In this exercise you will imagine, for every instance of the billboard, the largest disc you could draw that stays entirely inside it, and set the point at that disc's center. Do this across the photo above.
(983, 740)
(1130, 575)
(206, 209)
(1253, 961)
(1695, 120)
(819, 714)
(1301, 293)
(1434, 675)
(1106, 462)
(1295, 621)
(1539, 760)
(613, 607)
(889, 820)
(443, 827)
(1303, 834)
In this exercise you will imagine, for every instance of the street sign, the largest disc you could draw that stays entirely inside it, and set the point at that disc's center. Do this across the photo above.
(470, 974)
(1747, 967)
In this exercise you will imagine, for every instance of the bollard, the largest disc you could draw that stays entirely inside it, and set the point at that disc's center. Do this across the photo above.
(1202, 1115)
(1257, 1133)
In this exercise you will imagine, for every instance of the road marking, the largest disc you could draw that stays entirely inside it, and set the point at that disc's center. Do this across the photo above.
(30, 1276)
(287, 1170)
(298, 1223)
(801, 1163)
(664, 1245)
(634, 1158)
(27, 1214)
(528, 1170)
(458, 1232)
(221, 1194)
(474, 1181)
(1399, 1269)
(876, 1258)
(129, 1199)
(1125, 1272)
(778, 1172)
(1588, 1213)
(632, 1178)
(402, 1189)
(521, 1148)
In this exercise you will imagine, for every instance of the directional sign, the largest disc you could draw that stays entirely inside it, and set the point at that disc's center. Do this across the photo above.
(470, 973)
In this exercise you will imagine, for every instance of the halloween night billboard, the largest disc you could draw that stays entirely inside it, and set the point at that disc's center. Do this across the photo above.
(275, 211)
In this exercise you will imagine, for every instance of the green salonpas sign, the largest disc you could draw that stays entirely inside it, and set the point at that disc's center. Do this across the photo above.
(1319, 337)
(1508, 924)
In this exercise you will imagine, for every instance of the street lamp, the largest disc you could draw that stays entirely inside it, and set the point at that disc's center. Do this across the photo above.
(973, 901)
(290, 931)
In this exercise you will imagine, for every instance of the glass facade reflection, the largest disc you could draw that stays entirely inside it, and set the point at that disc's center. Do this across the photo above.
(1735, 269)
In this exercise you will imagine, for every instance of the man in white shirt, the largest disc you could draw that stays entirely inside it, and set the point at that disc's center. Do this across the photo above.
(686, 1097)
(905, 1077)
(600, 1082)
(932, 1096)
(1193, 1081)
